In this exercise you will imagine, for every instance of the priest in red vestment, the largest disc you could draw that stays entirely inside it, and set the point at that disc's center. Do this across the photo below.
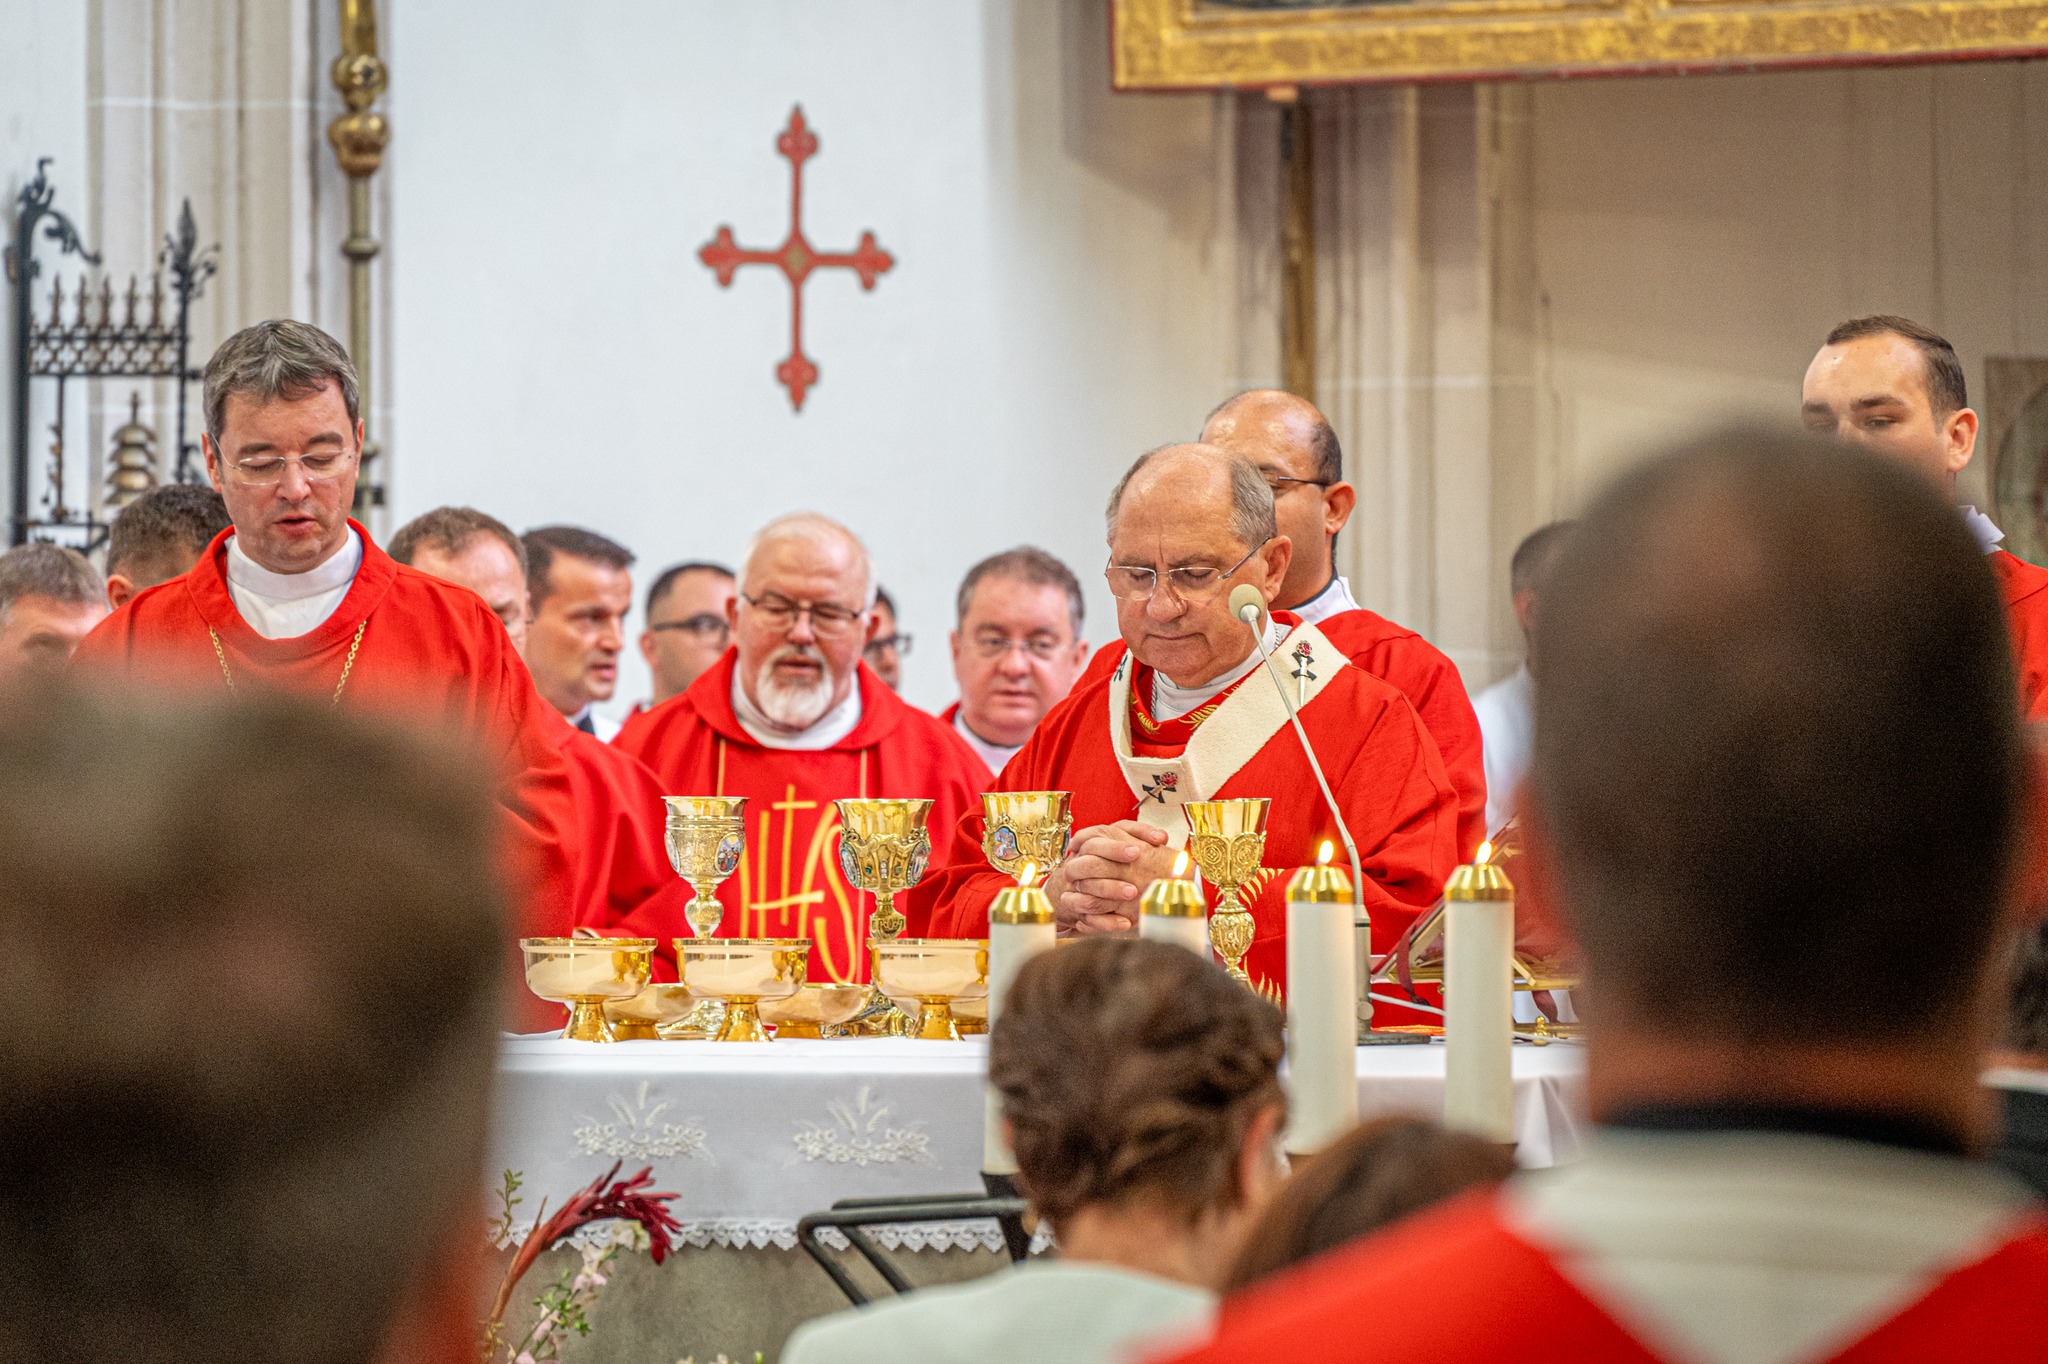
(620, 852)
(1777, 797)
(1192, 715)
(1893, 386)
(792, 719)
(295, 595)
(1294, 447)
(1017, 649)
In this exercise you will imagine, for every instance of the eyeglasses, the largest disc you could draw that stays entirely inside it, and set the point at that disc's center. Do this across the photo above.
(1279, 482)
(898, 644)
(1044, 648)
(705, 625)
(318, 467)
(1194, 583)
(828, 619)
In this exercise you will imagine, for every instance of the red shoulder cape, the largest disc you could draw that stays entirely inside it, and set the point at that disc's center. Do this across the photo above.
(789, 883)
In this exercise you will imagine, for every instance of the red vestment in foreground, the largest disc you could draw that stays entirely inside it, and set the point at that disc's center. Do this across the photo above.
(1418, 670)
(429, 651)
(789, 884)
(1381, 762)
(2024, 587)
(1457, 1285)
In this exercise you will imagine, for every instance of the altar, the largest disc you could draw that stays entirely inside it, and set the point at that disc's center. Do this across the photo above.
(752, 1138)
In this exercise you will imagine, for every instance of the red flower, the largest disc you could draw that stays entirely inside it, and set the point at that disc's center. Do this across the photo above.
(628, 1199)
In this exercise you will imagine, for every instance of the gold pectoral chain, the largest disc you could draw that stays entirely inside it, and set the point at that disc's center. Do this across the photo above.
(348, 665)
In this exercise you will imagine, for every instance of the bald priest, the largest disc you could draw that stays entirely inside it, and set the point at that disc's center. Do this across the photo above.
(1188, 718)
(792, 719)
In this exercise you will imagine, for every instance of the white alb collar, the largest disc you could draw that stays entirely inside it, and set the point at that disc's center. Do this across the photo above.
(834, 725)
(1170, 701)
(1334, 598)
(337, 570)
(1988, 534)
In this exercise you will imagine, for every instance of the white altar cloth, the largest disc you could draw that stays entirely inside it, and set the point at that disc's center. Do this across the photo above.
(753, 1137)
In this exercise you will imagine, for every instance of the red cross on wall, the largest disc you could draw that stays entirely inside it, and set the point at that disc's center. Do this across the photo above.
(796, 258)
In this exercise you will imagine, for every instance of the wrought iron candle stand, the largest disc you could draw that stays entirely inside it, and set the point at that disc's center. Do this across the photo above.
(96, 334)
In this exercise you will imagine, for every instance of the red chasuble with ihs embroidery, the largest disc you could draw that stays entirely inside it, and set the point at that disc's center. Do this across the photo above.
(789, 884)
(1121, 762)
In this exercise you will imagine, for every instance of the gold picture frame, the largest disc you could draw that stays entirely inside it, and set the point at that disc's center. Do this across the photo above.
(1217, 44)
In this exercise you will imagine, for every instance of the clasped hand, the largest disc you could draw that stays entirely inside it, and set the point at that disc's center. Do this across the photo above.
(1108, 866)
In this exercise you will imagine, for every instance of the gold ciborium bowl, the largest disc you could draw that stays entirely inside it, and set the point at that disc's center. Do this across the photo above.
(640, 1019)
(743, 972)
(935, 972)
(1022, 827)
(811, 1010)
(707, 837)
(584, 973)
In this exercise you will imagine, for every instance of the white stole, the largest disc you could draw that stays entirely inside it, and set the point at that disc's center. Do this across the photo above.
(1305, 662)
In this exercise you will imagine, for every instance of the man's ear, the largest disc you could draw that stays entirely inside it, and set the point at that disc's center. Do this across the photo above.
(1961, 435)
(1258, 1166)
(214, 468)
(119, 590)
(1339, 500)
(1277, 554)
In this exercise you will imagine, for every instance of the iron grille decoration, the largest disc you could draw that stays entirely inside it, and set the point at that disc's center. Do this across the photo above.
(92, 333)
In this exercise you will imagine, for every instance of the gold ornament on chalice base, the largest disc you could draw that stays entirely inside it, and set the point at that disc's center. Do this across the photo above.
(883, 848)
(743, 972)
(1227, 838)
(1023, 828)
(585, 973)
(707, 837)
(935, 972)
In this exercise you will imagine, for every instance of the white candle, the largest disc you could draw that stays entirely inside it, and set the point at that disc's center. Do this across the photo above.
(1172, 910)
(1322, 1020)
(1479, 944)
(1020, 926)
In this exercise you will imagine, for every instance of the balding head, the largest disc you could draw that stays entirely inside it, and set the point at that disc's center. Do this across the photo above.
(802, 617)
(1778, 761)
(1298, 455)
(1186, 524)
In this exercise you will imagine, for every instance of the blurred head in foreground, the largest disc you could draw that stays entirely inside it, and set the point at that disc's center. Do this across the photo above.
(1777, 783)
(1166, 1137)
(228, 1135)
(1376, 1174)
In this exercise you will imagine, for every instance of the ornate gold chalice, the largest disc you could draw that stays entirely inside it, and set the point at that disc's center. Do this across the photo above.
(584, 973)
(935, 972)
(743, 972)
(1025, 826)
(884, 848)
(811, 1010)
(1227, 838)
(707, 837)
(655, 1013)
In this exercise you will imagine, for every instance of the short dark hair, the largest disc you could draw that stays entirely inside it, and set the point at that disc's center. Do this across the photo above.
(234, 1149)
(163, 527)
(1373, 1175)
(1023, 564)
(449, 530)
(543, 543)
(673, 572)
(1946, 391)
(41, 569)
(1179, 1060)
(1537, 555)
(277, 359)
(1777, 741)
(2026, 1019)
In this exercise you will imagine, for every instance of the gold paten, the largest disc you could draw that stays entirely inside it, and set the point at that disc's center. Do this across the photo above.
(935, 972)
(585, 973)
(743, 972)
(1227, 838)
(814, 1009)
(1200, 44)
(707, 837)
(1025, 827)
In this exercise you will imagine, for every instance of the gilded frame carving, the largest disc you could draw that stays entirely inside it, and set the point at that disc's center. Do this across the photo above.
(1203, 44)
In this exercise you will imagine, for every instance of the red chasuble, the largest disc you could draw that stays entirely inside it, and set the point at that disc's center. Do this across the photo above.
(1457, 1285)
(1381, 763)
(2024, 587)
(1418, 670)
(621, 849)
(422, 648)
(789, 884)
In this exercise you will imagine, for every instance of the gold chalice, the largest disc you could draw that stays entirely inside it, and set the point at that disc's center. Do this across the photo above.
(934, 972)
(1025, 826)
(1226, 839)
(584, 973)
(811, 1010)
(883, 847)
(743, 972)
(643, 1017)
(707, 837)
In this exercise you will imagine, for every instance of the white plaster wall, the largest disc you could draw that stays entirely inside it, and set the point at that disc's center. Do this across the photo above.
(1062, 297)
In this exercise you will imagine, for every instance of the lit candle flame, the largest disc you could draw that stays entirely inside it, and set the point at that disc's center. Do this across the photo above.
(1485, 853)
(1027, 874)
(1180, 866)
(1323, 853)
